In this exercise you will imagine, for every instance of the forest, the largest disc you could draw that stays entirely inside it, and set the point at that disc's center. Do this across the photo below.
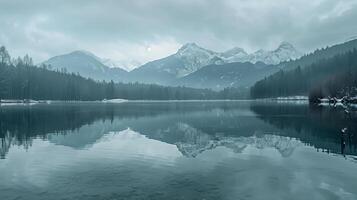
(334, 77)
(21, 79)
(320, 54)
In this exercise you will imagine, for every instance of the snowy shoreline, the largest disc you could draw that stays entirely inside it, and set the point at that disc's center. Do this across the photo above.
(290, 99)
(29, 102)
(344, 102)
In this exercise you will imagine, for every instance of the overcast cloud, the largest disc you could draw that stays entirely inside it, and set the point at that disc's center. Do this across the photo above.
(144, 30)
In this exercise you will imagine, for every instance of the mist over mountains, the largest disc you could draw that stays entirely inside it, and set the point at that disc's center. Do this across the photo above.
(197, 67)
(182, 68)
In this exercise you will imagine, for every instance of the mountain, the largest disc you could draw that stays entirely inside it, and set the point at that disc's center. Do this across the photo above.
(189, 58)
(227, 75)
(86, 64)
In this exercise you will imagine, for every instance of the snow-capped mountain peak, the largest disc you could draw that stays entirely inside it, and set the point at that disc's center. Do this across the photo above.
(284, 52)
(85, 63)
(234, 52)
(189, 45)
(195, 57)
(125, 65)
(287, 51)
(193, 48)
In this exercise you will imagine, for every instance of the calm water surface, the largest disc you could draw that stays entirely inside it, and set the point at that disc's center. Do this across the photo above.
(177, 150)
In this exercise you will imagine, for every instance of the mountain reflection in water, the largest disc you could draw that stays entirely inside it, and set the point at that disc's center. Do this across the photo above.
(193, 127)
(177, 150)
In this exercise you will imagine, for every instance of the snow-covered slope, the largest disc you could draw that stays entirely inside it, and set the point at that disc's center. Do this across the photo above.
(284, 52)
(195, 57)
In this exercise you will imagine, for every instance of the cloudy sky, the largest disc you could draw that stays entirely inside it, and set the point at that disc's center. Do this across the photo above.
(137, 31)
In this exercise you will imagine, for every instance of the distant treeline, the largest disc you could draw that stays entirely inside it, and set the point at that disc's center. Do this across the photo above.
(20, 79)
(335, 77)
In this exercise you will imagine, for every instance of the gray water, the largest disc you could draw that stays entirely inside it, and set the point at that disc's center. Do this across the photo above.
(177, 150)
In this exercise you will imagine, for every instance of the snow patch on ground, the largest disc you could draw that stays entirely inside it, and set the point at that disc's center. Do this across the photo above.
(114, 100)
(293, 98)
(14, 102)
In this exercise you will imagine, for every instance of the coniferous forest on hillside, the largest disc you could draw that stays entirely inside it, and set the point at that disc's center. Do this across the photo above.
(335, 77)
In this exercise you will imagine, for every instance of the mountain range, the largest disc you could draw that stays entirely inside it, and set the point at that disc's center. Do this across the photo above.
(191, 66)
(191, 58)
